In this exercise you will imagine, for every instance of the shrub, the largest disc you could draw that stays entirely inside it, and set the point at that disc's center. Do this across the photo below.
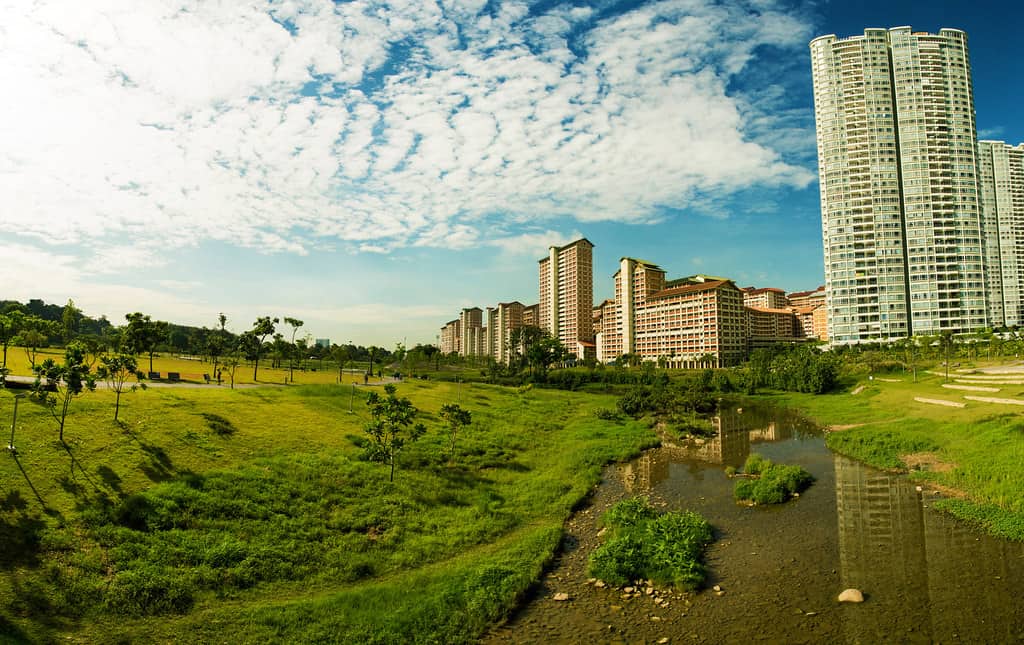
(755, 464)
(773, 483)
(629, 513)
(663, 547)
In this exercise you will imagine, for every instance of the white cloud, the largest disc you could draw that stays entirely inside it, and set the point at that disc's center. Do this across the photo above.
(139, 128)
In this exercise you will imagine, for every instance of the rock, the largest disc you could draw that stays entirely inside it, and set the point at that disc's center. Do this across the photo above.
(717, 587)
(649, 590)
(663, 604)
(918, 488)
(560, 596)
(656, 619)
(663, 640)
(629, 589)
(719, 593)
(599, 584)
(851, 595)
(591, 581)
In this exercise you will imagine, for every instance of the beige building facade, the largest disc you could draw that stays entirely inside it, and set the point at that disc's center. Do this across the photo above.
(566, 278)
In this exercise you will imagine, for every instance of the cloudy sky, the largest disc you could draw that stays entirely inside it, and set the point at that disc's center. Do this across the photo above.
(371, 167)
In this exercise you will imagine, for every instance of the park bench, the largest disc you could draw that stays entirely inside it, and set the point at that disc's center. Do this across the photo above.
(173, 377)
(154, 376)
(206, 377)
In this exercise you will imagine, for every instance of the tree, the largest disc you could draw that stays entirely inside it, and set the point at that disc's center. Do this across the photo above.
(263, 327)
(10, 325)
(391, 426)
(216, 342)
(340, 354)
(116, 369)
(34, 333)
(70, 316)
(371, 351)
(144, 334)
(231, 362)
(294, 323)
(456, 418)
(68, 380)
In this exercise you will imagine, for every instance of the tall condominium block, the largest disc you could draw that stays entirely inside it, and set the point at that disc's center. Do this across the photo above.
(634, 282)
(567, 293)
(471, 330)
(501, 322)
(901, 220)
(1001, 180)
(450, 338)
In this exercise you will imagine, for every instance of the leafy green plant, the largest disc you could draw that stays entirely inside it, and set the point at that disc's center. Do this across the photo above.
(392, 425)
(770, 483)
(645, 543)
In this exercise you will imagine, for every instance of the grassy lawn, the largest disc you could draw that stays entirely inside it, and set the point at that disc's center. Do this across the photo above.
(193, 370)
(247, 516)
(977, 450)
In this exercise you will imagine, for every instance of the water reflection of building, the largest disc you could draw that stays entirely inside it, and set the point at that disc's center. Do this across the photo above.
(735, 430)
(927, 577)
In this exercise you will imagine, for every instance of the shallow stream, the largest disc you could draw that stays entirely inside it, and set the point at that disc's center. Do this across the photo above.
(926, 577)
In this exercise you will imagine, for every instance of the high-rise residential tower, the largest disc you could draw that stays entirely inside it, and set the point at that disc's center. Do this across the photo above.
(901, 219)
(1001, 180)
(567, 293)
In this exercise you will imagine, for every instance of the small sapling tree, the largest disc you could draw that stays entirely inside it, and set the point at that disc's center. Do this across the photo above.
(294, 323)
(391, 426)
(456, 418)
(263, 327)
(68, 379)
(116, 369)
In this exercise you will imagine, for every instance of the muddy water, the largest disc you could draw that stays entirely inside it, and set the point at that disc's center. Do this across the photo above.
(927, 578)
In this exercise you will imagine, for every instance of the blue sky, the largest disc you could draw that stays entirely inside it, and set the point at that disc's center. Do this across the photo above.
(372, 167)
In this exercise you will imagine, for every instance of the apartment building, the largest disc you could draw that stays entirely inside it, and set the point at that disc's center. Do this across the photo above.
(1001, 183)
(472, 332)
(450, 339)
(766, 298)
(567, 294)
(531, 315)
(770, 326)
(696, 323)
(501, 322)
(901, 218)
(806, 298)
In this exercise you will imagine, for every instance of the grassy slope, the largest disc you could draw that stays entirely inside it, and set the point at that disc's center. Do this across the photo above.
(282, 533)
(984, 441)
(193, 370)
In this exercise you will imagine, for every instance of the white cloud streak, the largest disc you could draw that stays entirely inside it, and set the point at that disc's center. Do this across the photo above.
(136, 128)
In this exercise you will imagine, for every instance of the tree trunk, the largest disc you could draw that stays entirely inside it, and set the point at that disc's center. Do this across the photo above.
(117, 403)
(255, 366)
(64, 414)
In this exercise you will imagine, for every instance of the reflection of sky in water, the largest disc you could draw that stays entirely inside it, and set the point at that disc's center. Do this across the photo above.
(928, 578)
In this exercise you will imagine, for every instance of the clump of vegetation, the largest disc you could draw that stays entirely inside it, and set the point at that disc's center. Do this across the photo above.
(770, 483)
(666, 548)
(607, 414)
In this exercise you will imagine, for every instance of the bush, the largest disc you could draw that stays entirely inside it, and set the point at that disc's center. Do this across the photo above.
(772, 483)
(666, 548)
(629, 513)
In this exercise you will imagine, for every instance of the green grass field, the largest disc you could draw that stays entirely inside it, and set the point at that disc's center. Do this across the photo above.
(247, 516)
(977, 450)
(316, 372)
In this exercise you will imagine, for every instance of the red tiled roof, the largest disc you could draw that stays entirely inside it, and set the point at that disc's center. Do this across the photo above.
(767, 310)
(752, 290)
(689, 288)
